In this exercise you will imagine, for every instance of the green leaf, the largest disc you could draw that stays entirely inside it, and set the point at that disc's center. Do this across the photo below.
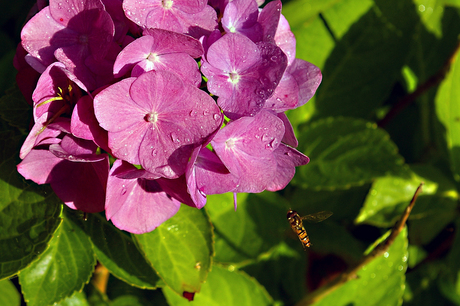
(95, 297)
(431, 12)
(309, 9)
(381, 282)
(389, 196)
(357, 76)
(344, 13)
(64, 268)
(258, 224)
(422, 285)
(180, 249)
(314, 44)
(448, 111)
(77, 299)
(15, 110)
(345, 152)
(117, 288)
(434, 209)
(119, 254)
(282, 273)
(225, 288)
(29, 214)
(9, 296)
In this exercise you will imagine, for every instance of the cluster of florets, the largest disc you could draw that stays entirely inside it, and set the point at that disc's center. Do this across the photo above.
(140, 106)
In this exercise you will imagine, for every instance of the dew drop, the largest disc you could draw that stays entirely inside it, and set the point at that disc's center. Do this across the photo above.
(174, 138)
(193, 113)
(265, 137)
(274, 58)
(216, 116)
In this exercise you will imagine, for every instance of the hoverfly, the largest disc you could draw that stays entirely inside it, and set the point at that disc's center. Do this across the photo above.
(297, 226)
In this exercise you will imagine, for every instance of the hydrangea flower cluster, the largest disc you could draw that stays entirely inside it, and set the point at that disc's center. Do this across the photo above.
(141, 105)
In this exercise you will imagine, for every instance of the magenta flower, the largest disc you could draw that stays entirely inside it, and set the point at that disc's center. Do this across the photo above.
(245, 146)
(156, 121)
(243, 74)
(161, 50)
(194, 18)
(70, 165)
(206, 175)
(137, 204)
(71, 32)
(240, 16)
(160, 119)
(298, 85)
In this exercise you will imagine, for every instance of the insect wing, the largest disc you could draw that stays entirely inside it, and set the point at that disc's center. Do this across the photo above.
(317, 217)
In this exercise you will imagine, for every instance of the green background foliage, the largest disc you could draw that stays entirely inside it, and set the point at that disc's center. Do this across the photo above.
(364, 168)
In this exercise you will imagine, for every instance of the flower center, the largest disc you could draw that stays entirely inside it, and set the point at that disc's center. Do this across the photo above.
(83, 39)
(151, 117)
(230, 143)
(233, 77)
(167, 4)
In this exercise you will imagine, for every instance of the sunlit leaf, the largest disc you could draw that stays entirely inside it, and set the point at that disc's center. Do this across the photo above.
(65, 267)
(225, 288)
(9, 295)
(448, 110)
(180, 249)
(381, 282)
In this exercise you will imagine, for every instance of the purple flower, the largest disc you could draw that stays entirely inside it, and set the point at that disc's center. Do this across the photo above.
(206, 175)
(240, 16)
(298, 85)
(55, 93)
(137, 204)
(156, 121)
(195, 18)
(243, 74)
(161, 50)
(287, 159)
(71, 32)
(245, 146)
(71, 166)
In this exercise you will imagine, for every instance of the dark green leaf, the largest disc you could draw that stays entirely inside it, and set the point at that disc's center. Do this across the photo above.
(282, 273)
(422, 286)
(225, 288)
(345, 152)
(9, 296)
(258, 224)
(361, 70)
(65, 267)
(15, 110)
(29, 214)
(118, 253)
(180, 249)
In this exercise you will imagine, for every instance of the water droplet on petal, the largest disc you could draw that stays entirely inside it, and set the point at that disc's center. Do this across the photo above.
(216, 116)
(174, 138)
